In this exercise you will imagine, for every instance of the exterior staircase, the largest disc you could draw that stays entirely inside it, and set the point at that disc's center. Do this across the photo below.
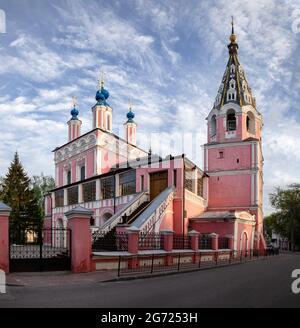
(139, 213)
(118, 217)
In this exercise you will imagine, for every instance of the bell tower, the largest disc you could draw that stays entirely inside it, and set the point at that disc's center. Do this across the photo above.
(102, 112)
(130, 127)
(233, 157)
(74, 123)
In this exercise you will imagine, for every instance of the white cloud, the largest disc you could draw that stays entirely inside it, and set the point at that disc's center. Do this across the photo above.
(145, 58)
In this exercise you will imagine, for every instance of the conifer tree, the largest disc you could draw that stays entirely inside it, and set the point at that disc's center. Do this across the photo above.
(16, 192)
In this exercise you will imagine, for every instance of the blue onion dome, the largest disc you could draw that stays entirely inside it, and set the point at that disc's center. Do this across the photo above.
(130, 116)
(100, 96)
(74, 113)
(105, 93)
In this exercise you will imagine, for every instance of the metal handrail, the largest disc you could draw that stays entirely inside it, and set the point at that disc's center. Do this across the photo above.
(153, 207)
(110, 222)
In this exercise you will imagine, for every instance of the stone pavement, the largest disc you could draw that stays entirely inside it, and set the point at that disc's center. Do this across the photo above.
(45, 279)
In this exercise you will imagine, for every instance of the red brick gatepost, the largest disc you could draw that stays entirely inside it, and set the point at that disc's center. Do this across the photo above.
(4, 237)
(133, 246)
(167, 242)
(194, 238)
(231, 246)
(214, 241)
(81, 239)
(215, 245)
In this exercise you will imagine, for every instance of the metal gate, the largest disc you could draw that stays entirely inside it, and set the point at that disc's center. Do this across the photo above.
(47, 249)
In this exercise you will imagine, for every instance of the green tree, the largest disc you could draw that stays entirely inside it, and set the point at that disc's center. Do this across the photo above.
(16, 192)
(286, 220)
(40, 185)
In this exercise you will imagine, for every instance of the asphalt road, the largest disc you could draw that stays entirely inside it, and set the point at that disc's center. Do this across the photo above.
(263, 283)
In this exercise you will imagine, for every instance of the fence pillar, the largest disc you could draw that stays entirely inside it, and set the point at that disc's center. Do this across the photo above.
(133, 240)
(4, 237)
(194, 237)
(133, 246)
(214, 241)
(81, 240)
(167, 237)
(230, 241)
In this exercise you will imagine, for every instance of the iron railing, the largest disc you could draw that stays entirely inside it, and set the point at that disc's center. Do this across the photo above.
(110, 242)
(150, 241)
(205, 242)
(181, 242)
(44, 249)
(223, 243)
(168, 262)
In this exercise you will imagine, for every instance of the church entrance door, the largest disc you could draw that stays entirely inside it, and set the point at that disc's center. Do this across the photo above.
(158, 183)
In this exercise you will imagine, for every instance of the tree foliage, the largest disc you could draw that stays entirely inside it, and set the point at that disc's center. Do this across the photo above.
(25, 197)
(286, 220)
(40, 185)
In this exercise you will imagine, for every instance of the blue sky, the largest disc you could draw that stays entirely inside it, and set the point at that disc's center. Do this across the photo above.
(168, 56)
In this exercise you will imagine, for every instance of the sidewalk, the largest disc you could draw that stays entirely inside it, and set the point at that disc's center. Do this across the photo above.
(47, 279)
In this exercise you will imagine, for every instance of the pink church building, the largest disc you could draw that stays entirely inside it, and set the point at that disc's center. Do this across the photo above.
(128, 187)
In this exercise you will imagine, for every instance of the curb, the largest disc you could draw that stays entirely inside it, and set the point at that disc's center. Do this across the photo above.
(14, 285)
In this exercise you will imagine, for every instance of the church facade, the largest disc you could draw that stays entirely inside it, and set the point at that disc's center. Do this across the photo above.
(128, 187)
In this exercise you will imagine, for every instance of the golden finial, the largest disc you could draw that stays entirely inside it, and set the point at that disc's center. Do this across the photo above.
(74, 101)
(232, 37)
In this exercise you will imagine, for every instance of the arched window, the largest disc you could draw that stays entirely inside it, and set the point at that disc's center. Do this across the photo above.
(213, 126)
(82, 172)
(69, 177)
(250, 123)
(231, 120)
(107, 216)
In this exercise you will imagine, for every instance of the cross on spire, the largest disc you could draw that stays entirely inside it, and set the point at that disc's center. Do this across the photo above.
(74, 101)
(101, 79)
(130, 103)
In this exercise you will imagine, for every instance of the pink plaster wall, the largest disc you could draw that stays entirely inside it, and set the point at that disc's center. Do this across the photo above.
(228, 190)
(232, 155)
(242, 228)
(90, 163)
(167, 220)
(4, 243)
(110, 159)
(88, 155)
(219, 227)
(81, 244)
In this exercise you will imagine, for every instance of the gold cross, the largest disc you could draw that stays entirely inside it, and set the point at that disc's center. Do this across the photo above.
(101, 79)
